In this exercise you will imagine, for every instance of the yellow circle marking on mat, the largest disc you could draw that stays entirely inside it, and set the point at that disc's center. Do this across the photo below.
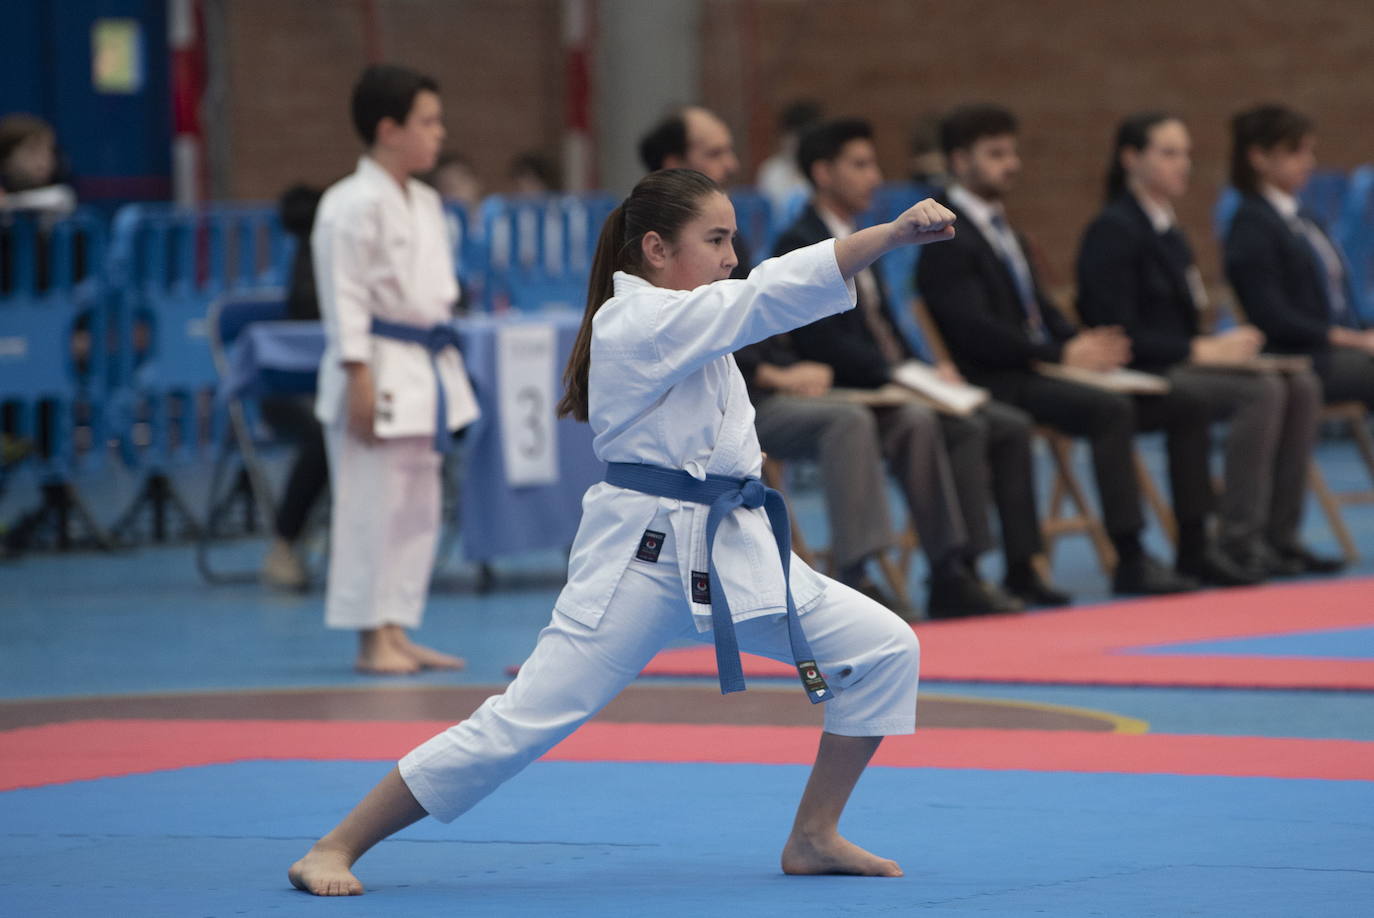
(1120, 722)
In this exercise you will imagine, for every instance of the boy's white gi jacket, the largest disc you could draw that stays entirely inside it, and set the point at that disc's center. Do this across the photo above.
(379, 251)
(664, 390)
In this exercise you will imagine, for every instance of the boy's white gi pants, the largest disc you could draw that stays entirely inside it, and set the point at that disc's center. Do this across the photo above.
(383, 531)
(869, 657)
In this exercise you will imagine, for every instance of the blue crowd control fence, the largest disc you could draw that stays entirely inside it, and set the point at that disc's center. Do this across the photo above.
(54, 358)
(166, 265)
(539, 249)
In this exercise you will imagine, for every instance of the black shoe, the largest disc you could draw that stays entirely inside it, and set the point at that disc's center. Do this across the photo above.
(1033, 591)
(1308, 563)
(1215, 568)
(1144, 576)
(958, 593)
(1258, 556)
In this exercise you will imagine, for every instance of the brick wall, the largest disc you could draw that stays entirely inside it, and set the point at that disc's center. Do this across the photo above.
(1069, 68)
(290, 65)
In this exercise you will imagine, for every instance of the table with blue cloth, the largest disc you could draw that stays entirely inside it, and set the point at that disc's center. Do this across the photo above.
(275, 358)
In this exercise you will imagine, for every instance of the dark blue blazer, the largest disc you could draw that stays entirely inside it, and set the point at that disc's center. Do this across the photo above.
(842, 341)
(973, 299)
(1131, 276)
(1277, 281)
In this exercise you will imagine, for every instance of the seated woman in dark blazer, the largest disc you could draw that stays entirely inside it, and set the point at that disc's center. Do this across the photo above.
(1289, 275)
(1136, 271)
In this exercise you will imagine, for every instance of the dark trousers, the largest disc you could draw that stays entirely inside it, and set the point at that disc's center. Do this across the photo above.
(990, 459)
(294, 419)
(1109, 422)
(1348, 376)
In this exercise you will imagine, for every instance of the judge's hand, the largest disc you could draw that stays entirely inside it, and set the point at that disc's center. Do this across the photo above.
(361, 402)
(1234, 346)
(947, 371)
(927, 221)
(1102, 349)
(806, 378)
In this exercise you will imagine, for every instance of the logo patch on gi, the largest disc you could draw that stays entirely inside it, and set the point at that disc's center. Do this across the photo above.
(701, 588)
(650, 546)
(812, 680)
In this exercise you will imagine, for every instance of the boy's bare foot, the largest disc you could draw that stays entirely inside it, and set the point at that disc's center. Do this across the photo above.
(425, 657)
(378, 656)
(324, 872)
(805, 855)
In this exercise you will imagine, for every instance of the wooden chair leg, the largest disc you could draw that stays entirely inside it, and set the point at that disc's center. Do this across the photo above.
(1085, 521)
(1331, 508)
(1162, 511)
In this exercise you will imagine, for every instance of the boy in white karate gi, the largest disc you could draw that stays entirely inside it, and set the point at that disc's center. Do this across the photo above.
(391, 385)
(653, 373)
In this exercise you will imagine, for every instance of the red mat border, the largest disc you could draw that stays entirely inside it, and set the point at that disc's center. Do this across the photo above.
(87, 750)
(1093, 644)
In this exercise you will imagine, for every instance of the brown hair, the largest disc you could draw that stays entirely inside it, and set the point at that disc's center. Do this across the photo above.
(1266, 127)
(663, 202)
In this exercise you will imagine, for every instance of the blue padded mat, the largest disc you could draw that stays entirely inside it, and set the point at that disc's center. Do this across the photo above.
(609, 839)
(1344, 643)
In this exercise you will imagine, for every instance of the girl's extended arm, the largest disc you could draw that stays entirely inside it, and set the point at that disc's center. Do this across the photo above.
(928, 221)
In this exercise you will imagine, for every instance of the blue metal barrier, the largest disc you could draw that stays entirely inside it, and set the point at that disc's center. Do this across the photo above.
(166, 265)
(539, 249)
(53, 353)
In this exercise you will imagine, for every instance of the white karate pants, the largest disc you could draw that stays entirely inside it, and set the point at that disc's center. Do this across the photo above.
(869, 657)
(384, 529)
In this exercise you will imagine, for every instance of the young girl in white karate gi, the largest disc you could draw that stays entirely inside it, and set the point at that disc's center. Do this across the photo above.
(653, 373)
(392, 385)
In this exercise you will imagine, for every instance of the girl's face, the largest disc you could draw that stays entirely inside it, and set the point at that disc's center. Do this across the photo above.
(1286, 168)
(702, 253)
(1162, 168)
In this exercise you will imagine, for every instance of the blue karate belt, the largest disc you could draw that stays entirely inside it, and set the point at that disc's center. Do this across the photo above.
(725, 494)
(434, 339)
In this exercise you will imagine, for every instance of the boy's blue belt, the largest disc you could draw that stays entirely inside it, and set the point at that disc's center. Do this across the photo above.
(434, 339)
(724, 494)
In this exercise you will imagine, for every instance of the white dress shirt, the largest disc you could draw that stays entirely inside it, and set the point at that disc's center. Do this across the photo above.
(664, 390)
(383, 251)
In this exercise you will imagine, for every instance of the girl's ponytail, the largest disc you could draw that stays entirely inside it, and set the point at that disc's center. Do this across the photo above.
(600, 288)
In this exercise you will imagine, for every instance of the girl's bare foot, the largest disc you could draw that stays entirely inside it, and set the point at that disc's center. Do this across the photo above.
(325, 872)
(425, 657)
(378, 656)
(831, 853)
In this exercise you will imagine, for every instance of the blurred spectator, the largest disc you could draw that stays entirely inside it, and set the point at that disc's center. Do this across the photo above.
(454, 177)
(293, 417)
(534, 173)
(780, 178)
(1290, 276)
(30, 168)
(999, 324)
(926, 165)
(1136, 271)
(693, 137)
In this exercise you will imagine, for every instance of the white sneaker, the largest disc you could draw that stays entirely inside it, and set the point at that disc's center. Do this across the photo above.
(282, 569)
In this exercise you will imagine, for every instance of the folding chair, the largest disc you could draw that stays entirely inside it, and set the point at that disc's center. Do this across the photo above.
(1355, 416)
(1066, 486)
(240, 488)
(775, 476)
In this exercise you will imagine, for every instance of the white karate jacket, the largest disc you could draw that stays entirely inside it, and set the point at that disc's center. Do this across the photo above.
(379, 251)
(664, 390)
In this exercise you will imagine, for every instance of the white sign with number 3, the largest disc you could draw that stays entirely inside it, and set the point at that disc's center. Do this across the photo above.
(526, 398)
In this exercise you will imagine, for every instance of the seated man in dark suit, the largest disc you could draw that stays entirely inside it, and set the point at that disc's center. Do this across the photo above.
(998, 324)
(949, 467)
(1290, 277)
